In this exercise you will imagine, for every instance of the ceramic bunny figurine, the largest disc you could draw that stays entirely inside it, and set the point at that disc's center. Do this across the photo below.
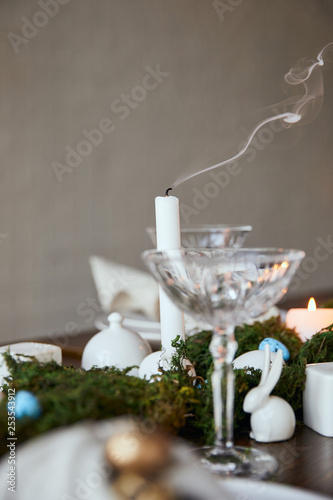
(272, 418)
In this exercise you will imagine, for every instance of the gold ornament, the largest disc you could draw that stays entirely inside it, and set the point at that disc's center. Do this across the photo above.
(135, 487)
(136, 451)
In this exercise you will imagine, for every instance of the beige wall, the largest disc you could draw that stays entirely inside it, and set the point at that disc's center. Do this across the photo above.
(221, 73)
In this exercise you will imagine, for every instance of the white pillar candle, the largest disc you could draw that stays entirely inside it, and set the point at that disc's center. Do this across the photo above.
(168, 238)
(309, 321)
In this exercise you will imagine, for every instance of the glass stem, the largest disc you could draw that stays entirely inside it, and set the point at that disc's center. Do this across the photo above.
(223, 347)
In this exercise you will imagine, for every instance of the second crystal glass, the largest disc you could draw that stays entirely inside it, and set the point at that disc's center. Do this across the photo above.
(225, 287)
(210, 235)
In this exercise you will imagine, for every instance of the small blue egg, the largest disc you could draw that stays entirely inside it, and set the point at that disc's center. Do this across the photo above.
(274, 346)
(26, 405)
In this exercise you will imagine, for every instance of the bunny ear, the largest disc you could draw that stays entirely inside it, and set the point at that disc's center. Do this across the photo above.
(267, 361)
(275, 373)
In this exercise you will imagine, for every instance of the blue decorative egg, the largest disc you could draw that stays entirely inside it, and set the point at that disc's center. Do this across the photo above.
(274, 346)
(26, 405)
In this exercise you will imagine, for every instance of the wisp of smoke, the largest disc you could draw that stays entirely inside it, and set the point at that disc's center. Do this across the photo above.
(304, 108)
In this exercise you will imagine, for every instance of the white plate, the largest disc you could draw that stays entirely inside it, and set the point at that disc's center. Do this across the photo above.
(151, 330)
(76, 453)
(71, 465)
(244, 489)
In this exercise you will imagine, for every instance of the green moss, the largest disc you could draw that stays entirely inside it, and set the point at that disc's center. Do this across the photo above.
(319, 348)
(248, 338)
(68, 395)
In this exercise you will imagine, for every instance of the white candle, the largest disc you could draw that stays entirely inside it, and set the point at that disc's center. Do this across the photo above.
(168, 238)
(167, 222)
(309, 321)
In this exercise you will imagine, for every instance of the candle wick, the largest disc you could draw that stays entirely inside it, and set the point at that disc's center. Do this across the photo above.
(167, 191)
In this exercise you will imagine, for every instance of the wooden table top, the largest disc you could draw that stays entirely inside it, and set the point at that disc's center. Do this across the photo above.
(305, 461)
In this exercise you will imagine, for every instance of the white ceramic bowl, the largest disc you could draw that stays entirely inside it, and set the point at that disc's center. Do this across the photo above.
(21, 352)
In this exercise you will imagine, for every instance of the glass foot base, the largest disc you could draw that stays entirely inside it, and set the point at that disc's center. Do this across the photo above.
(237, 462)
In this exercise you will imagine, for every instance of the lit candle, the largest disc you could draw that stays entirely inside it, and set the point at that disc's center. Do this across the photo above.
(168, 238)
(309, 321)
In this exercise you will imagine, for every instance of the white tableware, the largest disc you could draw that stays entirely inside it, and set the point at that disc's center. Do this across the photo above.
(244, 489)
(22, 351)
(115, 346)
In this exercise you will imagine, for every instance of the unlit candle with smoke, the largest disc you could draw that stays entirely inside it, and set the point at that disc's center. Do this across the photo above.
(304, 108)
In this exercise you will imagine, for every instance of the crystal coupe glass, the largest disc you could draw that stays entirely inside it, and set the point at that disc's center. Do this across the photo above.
(209, 235)
(226, 287)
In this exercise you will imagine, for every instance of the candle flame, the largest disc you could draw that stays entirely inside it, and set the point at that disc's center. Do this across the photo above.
(312, 304)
